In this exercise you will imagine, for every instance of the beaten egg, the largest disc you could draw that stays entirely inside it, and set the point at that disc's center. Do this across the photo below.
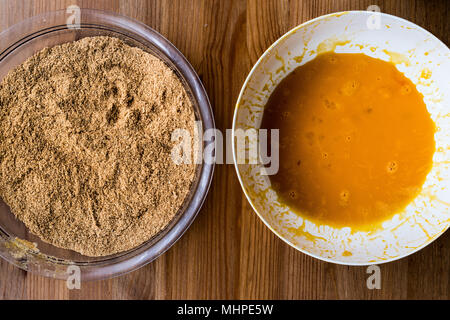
(356, 140)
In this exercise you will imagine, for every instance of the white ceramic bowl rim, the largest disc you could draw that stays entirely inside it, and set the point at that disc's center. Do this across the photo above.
(241, 94)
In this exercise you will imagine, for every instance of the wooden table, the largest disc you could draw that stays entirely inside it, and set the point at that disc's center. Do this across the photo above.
(228, 253)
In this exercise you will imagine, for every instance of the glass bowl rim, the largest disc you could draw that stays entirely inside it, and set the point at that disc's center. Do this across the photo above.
(128, 261)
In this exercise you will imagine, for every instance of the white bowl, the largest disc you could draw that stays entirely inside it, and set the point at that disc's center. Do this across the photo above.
(425, 61)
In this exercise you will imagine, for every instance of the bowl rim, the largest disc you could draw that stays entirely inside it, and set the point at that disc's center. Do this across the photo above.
(237, 106)
(114, 266)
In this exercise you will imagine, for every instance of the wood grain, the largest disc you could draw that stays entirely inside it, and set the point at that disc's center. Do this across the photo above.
(228, 253)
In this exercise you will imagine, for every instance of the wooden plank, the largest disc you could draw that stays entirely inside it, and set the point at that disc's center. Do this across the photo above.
(228, 252)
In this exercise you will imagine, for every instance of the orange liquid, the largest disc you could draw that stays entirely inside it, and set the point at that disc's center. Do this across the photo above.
(356, 140)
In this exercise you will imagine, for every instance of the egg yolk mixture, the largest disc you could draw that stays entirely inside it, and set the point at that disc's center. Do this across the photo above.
(356, 140)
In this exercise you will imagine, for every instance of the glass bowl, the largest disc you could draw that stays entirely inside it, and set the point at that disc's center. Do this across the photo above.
(27, 251)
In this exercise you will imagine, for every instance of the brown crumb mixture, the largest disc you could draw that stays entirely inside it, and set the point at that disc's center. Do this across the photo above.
(85, 145)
